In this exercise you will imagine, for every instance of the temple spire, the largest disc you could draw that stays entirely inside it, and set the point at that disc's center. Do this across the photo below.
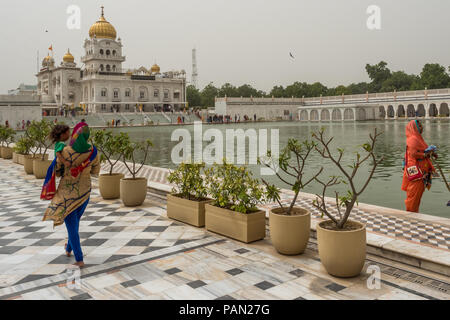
(103, 11)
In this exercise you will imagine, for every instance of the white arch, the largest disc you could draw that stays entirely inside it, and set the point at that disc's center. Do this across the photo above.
(411, 111)
(304, 115)
(325, 115)
(349, 114)
(433, 110)
(444, 110)
(421, 112)
(314, 115)
(336, 115)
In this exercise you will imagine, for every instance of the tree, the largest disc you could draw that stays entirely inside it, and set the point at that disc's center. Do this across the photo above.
(434, 76)
(399, 81)
(228, 90)
(378, 73)
(247, 91)
(208, 95)
(193, 96)
(277, 92)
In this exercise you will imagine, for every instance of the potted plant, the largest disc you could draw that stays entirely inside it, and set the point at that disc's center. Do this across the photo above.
(41, 132)
(6, 138)
(110, 147)
(290, 225)
(22, 148)
(34, 137)
(189, 197)
(233, 212)
(133, 191)
(342, 242)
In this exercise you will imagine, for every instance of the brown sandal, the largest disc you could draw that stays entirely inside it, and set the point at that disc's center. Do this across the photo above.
(67, 253)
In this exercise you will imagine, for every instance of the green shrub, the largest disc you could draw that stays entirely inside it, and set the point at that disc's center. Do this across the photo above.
(6, 136)
(129, 151)
(189, 182)
(23, 146)
(39, 133)
(234, 188)
(293, 162)
(111, 146)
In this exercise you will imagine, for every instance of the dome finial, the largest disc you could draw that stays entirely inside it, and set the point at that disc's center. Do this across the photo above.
(103, 11)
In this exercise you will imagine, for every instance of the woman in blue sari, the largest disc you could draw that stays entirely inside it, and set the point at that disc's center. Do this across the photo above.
(74, 190)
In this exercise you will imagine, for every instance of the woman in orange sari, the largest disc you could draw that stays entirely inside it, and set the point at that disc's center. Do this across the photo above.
(417, 154)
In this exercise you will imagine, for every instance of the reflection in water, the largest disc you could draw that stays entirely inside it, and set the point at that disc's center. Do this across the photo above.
(384, 190)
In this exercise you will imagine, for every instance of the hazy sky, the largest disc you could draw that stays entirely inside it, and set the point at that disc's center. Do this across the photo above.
(237, 41)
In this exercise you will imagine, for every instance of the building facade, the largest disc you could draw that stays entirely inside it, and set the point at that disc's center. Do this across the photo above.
(102, 85)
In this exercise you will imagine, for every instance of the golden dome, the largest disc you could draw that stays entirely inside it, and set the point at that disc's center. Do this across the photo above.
(68, 57)
(48, 61)
(155, 68)
(103, 29)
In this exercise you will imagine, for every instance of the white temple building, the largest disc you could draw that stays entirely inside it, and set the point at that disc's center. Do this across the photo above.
(102, 85)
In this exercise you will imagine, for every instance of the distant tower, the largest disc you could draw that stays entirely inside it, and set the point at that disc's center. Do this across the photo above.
(194, 68)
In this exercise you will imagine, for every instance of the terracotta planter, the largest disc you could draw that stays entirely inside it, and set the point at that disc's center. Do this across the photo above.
(188, 211)
(342, 252)
(7, 153)
(39, 156)
(290, 234)
(28, 164)
(40, 168)
(133, 191)
(109, 185)
(15, 157)
(243, 227)
(21, 159)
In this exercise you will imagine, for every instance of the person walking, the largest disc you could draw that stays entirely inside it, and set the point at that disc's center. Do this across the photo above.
(74, 190)
(418, 170)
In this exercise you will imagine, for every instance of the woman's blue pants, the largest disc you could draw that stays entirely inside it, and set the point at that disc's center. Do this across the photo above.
(72, 222)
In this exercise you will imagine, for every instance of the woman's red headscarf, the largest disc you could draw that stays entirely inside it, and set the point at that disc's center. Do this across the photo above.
(414, 139)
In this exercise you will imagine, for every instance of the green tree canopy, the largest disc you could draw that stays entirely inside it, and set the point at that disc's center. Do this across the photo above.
(193, 96)
(434, 76)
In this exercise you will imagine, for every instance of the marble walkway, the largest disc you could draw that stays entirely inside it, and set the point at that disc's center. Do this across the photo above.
(138, 253)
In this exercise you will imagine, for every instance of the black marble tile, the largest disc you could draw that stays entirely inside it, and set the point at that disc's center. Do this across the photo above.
(83, 296)
(130, 283)
(5, 242)
(335, 287)
(33, 277)
(196, 284)
(264, 285)
(241, 251)
(46, 242)
(139, 243)
(116, 257)
(93, 242)
(150, 249)
(101, 223)
(234, 271)
(226, 297)
(297, 272)
(38, 235)
(113, 229)
(10, 249)
(173, 271)
(155, 228)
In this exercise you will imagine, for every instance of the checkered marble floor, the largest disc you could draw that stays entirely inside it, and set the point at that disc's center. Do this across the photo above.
(137, 253)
